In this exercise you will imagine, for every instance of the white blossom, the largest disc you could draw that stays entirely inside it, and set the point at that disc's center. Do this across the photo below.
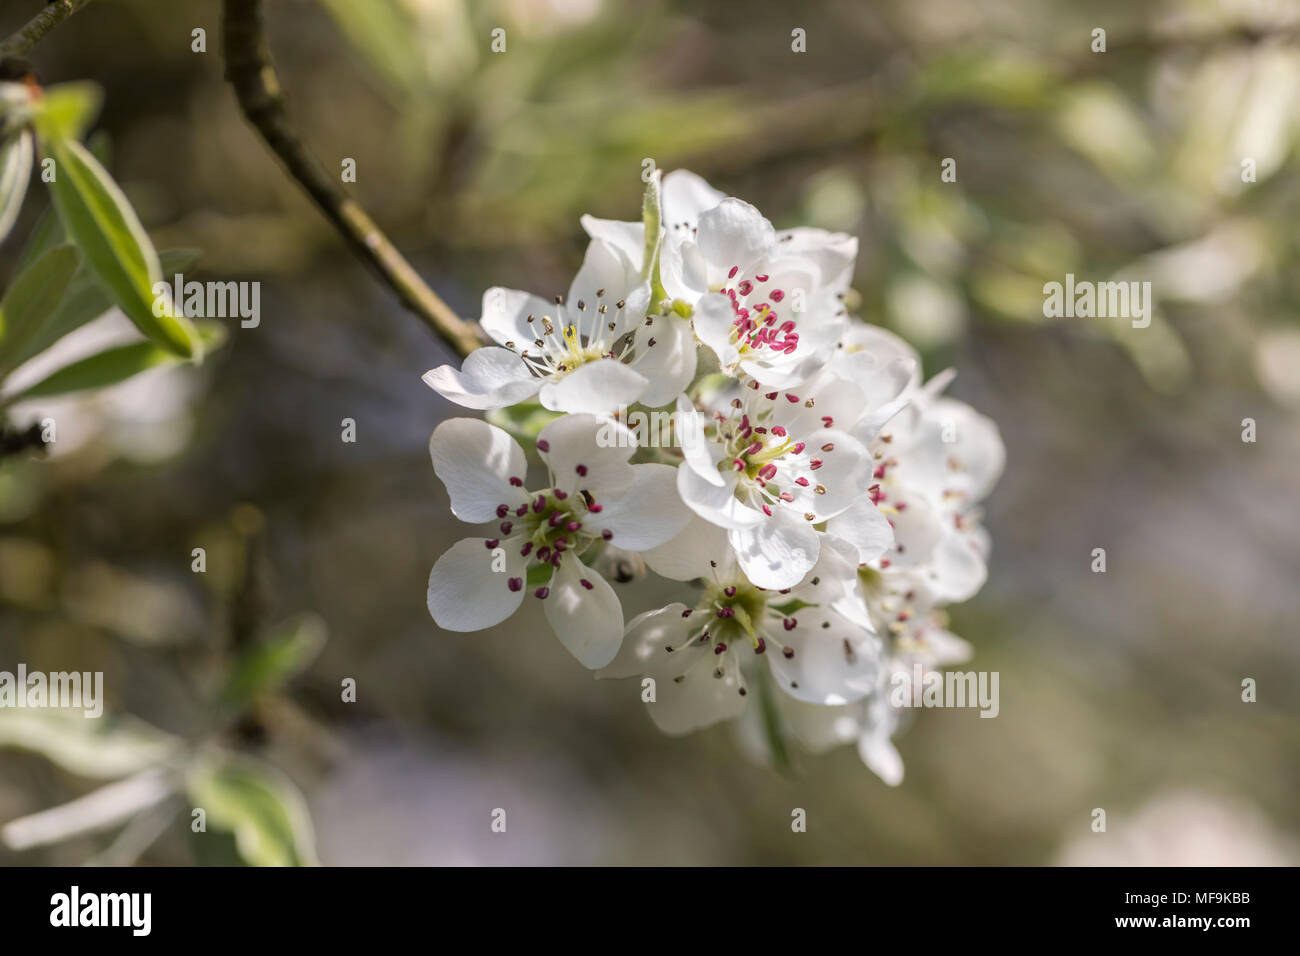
(820, 507)
(593, 351)
(815, 638)
(592, 495)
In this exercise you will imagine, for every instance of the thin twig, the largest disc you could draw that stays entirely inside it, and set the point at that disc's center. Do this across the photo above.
(250, 70)
(35, 29)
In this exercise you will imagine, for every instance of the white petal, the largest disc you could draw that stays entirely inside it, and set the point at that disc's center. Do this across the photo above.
(604, 385)
(717, 504)
(646, 644)
(957, 570)
(648, 513)
(585, 613)
(917, 528)
(817, 726)
(697, 698)
(874, 746)
(686, 197)
(881, 757)
(628, 237)
(605, 266)
(692, 553)
(778, 370)
(584, 451)
(777, 552)
(476, 461)
(863, 526)
(833, 252)
(937, 647)
(669, 364)
(683, 270)
(878, 383)
(978, 447)
(506, 312)
(882, 410)
(834, 583)
(713, 326)
(881, 343)
(831, 665)
(695, 445)
(734, 233)
(465, 594)
(490, 377)
(845, 474)
(687, 694)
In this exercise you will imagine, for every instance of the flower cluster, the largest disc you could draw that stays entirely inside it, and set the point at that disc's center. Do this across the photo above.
(818, 501)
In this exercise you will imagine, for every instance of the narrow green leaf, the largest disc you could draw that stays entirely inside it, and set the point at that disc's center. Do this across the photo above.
(33, 296)
(114, 365)
(260, 807)
(84, 301)
(113, 746)
(65, 111)
(47, 234)
(15, 172)
(102, 223)
(270, 663)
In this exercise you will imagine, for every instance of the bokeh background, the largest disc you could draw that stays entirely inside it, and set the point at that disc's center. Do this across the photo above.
(1119, 690)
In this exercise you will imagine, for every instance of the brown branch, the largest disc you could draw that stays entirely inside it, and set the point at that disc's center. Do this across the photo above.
(251, 72)
(35, 29)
